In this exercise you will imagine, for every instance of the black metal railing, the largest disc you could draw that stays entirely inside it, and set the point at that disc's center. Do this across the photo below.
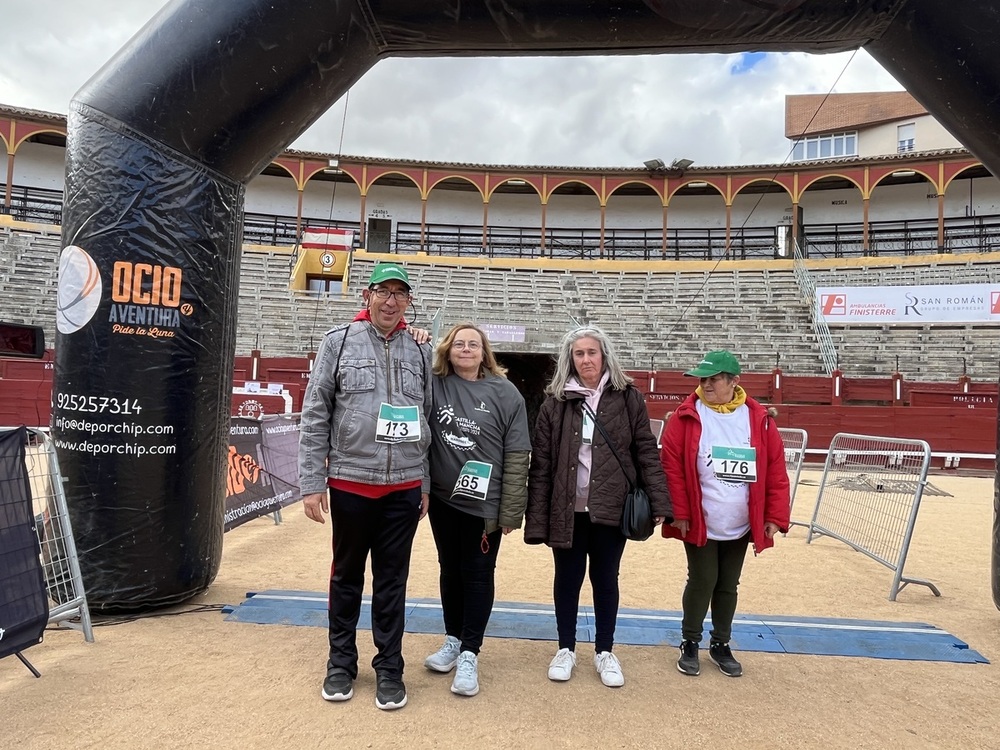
(841, 240)
(905, 237)
(36, 205)
(574, 243)
(281, 231)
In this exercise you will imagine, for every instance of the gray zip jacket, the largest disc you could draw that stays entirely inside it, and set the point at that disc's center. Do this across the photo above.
(356, 370)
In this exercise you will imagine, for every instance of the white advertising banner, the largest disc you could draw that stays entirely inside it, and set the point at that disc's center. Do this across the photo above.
(944, 303)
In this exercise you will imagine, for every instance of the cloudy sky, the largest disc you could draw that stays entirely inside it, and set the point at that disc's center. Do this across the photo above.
(579, 111)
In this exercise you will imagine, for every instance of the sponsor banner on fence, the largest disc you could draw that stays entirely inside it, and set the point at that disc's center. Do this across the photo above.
(943, 303)
(261, 472)
(281, 455)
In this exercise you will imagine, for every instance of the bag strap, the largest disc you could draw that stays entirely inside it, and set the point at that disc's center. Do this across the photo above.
(340, 354)
(611, 444)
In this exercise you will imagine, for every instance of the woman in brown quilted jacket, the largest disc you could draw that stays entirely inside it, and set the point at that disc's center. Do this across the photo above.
(576, 488)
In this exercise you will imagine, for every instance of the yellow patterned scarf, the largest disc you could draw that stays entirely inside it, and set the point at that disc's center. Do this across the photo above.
(739, 398)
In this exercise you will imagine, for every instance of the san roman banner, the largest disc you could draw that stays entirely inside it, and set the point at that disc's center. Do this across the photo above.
(943, 303)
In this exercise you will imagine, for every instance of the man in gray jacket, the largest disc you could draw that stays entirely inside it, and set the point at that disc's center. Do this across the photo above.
(363, 459)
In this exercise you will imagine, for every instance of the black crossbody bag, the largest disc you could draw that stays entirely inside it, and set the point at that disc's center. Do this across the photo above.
(637, 515)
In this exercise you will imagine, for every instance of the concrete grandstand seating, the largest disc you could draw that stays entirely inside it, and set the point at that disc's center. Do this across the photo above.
(925, 352)
(662, 319)
(28, 269)
(962, 270)
(276, 319)
(687, 312)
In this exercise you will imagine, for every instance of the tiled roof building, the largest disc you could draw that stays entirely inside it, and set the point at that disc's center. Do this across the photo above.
(832, 126)
(810, 114)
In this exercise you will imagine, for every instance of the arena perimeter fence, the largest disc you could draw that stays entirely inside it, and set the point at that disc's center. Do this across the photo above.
(64, 583)
(869, 498)
(795, 442)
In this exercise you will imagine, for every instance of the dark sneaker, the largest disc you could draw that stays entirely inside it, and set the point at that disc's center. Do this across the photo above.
(390, 693)
(338, 686)
(722, 656)
(688, 662)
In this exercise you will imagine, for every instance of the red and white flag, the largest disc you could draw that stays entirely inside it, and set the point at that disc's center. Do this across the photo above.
(328, 238)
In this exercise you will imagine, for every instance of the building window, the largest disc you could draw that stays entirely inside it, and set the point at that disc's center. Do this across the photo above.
(323, 284)
(906, 136)
(829, 146)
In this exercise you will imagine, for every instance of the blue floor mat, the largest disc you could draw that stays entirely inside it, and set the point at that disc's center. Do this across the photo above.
(776, 634)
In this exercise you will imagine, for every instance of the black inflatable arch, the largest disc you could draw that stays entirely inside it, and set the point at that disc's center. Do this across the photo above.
(163, 139)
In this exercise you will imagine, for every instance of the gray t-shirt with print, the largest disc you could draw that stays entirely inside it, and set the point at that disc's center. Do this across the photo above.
(473, 424)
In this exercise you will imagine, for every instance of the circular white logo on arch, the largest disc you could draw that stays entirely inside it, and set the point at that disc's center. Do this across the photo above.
(79, 293)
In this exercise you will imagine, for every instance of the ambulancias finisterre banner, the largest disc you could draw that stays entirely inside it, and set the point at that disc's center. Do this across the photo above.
(922, 305)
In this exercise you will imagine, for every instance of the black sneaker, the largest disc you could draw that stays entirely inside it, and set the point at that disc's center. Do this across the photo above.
(390, 693)
(722, 656)
(338, 686)
(688, 661)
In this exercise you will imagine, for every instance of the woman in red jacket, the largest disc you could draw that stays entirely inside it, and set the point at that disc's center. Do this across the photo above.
(725, 467)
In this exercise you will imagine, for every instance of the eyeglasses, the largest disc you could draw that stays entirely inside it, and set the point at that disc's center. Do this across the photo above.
(472, 346)
(383, 293)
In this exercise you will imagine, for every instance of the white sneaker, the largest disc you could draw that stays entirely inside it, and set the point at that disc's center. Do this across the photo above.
(609, 668)
(561, 666)
(446, 657)
(466, 680)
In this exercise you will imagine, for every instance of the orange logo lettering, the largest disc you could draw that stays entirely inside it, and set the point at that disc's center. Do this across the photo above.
(146, 284)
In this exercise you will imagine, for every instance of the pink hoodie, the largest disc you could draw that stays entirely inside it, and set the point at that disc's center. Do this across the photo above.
(593, 397)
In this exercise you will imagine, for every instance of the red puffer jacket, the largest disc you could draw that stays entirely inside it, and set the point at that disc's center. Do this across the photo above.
(769, 495)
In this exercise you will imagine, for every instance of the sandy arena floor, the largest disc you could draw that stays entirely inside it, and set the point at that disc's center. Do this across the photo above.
(196, 681)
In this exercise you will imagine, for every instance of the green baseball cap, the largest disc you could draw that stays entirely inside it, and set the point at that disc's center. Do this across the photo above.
(715, 362)
(389, 272)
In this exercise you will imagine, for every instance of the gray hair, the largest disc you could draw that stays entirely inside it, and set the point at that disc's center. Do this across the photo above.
(564, 362)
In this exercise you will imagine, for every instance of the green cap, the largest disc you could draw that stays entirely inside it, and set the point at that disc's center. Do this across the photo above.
(715, 362)
(389, 272)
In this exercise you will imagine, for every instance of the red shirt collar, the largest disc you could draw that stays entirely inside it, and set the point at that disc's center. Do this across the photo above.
(363, 315)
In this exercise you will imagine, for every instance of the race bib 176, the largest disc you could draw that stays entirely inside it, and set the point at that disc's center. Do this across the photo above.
(734, 464)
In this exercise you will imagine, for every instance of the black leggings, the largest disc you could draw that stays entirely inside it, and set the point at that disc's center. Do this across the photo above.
(467, 566)
(605, 546)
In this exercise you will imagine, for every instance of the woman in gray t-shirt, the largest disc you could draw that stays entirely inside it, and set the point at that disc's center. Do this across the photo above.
(479, 466)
